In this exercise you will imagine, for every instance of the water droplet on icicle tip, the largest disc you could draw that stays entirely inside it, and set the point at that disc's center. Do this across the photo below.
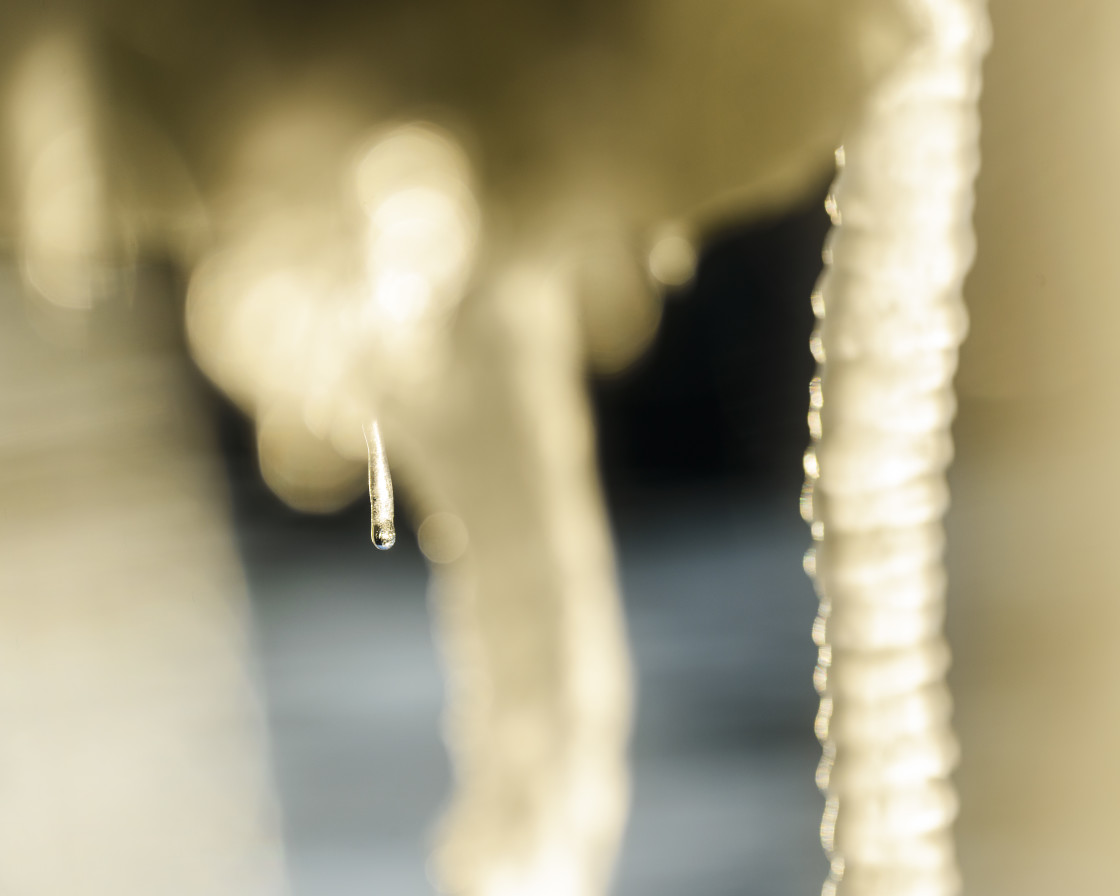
(383, 530)
(384, 535)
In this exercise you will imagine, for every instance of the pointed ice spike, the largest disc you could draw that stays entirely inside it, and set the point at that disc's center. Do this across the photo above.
(383, 531)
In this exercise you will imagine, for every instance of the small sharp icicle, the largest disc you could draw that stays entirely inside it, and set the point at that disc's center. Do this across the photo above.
(383, 530)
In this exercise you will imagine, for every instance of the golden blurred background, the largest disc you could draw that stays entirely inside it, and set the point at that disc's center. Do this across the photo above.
(562, 254)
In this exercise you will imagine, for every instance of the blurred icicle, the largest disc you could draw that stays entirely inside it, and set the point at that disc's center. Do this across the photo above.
(890, 320)
(73, 250)
(532, 628)
(132, 740)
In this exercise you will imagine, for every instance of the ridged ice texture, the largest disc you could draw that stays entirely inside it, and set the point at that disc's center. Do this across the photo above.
(890, 320)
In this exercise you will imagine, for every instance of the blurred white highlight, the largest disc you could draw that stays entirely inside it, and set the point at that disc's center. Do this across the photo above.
(414, 184)
(672, 259)
(443, 537)
(71, 236)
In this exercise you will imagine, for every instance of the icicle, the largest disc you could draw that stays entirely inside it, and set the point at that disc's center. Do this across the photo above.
(880, 410)
(383, 530)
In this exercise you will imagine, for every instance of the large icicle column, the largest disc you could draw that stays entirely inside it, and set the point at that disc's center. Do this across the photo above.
(890, 321)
